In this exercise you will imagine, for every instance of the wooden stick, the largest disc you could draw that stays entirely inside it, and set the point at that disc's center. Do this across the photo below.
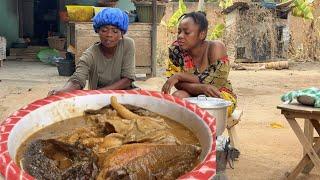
(233, 137)
(308, 168)
(316, 125)
(308, 132)
(305, 143)
(304, 164)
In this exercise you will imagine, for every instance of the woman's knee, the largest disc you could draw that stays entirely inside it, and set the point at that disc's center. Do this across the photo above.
(181, 94)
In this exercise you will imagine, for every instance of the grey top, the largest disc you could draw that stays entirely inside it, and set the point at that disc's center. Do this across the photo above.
(102, 71)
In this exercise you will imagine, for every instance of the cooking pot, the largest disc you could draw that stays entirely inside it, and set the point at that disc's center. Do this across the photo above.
(216, 107)
(39, 114)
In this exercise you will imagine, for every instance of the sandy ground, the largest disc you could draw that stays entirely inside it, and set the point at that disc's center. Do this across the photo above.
(266, 153)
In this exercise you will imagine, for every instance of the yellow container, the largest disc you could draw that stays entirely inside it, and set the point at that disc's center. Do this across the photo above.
(80, 13)
(98, 9)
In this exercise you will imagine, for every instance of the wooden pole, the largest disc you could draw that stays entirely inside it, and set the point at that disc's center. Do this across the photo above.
(201, 5)
(154, 39)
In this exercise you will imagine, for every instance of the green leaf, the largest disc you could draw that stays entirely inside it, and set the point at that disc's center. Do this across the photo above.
(217, 32)
(225, 3)
(302, 9)
(174, 19)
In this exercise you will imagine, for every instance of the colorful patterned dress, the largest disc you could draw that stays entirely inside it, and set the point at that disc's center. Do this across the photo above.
(215, 74)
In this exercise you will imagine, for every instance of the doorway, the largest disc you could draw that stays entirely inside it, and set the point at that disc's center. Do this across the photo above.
(38, 20)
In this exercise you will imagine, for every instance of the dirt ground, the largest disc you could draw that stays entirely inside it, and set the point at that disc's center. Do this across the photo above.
(266, 153)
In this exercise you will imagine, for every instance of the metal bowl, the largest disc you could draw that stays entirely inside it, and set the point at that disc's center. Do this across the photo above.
(216, 107)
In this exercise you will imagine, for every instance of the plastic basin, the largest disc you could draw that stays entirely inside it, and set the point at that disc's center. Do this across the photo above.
(39, 114)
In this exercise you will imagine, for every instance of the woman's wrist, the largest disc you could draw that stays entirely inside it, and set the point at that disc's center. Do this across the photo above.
(70, 86)
(202, 88)
(178, 76)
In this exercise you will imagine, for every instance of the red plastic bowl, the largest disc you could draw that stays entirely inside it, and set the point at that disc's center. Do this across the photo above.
(21, 124)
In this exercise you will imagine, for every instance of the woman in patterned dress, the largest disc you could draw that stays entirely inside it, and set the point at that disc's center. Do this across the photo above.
(198, 66)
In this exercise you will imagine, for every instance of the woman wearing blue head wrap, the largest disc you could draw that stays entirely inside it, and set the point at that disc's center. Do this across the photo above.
(111, 16)
(110, 63)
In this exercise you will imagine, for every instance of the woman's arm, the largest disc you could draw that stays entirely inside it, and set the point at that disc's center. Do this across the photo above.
(179, 78)
(192, 88)
(78, 79)
(187, 77)
(123, 83)
(196, 89)
(69, 86)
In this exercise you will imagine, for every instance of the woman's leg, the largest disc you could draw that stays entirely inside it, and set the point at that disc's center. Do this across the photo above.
(181, 94)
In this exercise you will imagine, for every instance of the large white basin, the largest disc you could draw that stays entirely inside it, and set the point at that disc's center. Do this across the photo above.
(45, 112)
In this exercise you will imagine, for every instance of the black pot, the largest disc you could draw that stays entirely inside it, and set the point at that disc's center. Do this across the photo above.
(65, 67)
(19, 45)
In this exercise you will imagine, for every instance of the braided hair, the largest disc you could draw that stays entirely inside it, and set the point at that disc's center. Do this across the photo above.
(199, 18)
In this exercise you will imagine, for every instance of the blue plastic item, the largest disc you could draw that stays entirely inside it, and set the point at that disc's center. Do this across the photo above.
(269, 5)
(111, 16)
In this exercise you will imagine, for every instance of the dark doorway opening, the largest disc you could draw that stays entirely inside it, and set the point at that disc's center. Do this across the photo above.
(38, 20)
(46, 19)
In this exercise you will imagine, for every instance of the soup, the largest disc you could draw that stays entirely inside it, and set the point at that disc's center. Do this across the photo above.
(127, 141)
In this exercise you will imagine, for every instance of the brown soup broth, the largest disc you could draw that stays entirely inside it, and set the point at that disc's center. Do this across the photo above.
(183, 134)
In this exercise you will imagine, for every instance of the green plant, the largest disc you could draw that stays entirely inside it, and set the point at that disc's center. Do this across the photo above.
(225, 3)
(217, 32)
(302, 9)
(174, 19)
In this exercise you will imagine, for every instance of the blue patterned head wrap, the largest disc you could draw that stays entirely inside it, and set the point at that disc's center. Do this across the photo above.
(111, 16)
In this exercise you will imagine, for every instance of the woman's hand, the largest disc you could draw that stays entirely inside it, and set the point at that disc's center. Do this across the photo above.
(69, 86)
(210, 91)
(56, 91)
(170, 83)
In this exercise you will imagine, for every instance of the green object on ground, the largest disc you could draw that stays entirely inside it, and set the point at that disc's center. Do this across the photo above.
(311, 92)
(46, 55)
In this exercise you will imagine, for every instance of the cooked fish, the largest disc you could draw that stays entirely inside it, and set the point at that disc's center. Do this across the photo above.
(148, 161)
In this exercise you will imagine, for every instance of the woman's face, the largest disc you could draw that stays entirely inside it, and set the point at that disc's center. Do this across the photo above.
(189, 35)
(109, 36)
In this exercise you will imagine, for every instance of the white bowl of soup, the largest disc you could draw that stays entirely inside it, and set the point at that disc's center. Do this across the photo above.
(40, 114)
